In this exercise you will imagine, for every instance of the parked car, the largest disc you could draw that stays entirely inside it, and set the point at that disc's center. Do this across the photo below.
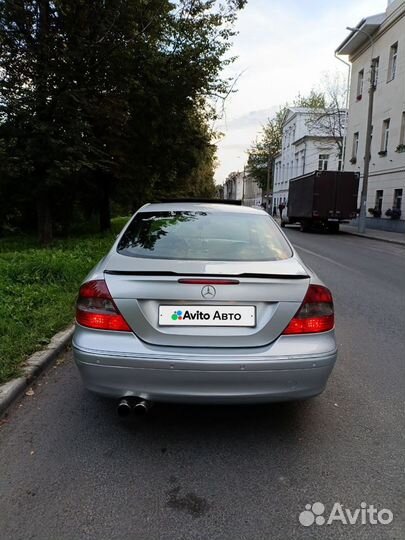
(203, 302)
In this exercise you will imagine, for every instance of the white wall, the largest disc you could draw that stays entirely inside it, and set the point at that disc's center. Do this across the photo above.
(387, 172)
(252, 193)
(301, 148)
(233, 188)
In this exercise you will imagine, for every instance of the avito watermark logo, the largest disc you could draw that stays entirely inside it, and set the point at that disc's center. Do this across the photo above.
(367, 514)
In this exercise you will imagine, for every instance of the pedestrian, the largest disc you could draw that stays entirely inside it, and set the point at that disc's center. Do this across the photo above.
(281, 207)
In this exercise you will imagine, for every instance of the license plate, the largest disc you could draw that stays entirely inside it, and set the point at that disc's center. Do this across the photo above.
(203, 315)
(333, 219)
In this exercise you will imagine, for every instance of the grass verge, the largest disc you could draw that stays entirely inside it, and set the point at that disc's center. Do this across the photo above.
(38, 288)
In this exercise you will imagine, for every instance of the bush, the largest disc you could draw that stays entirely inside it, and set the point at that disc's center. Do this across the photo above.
(393, 213)
(375, 212)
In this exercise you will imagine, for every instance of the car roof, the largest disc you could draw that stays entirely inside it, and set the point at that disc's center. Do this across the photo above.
(200, 206)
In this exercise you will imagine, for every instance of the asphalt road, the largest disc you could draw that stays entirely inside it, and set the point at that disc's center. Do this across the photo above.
(71, 469)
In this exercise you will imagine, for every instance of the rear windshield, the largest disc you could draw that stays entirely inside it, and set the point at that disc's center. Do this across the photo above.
(204, 236)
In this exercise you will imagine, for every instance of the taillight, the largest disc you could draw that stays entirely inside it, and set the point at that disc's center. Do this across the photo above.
(95, 308)
(315, 314)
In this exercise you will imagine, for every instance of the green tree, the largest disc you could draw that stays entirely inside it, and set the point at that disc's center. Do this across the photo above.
(103, 101)
(314, 100)
(329, 117)
(267, 146)
(265, 149)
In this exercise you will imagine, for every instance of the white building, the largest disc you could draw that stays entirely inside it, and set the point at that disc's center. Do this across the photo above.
(252, 193)
(241, 186)
(386, 47)
(305, 149)
(233, 186)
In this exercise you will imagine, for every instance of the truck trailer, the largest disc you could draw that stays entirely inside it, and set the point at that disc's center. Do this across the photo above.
(322, 200)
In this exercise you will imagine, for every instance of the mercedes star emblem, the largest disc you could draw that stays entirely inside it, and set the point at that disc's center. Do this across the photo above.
(208, 292)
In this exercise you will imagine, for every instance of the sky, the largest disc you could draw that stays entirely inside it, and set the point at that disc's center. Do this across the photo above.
(284, 47)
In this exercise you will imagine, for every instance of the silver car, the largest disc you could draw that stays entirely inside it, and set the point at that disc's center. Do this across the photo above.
(203, 302)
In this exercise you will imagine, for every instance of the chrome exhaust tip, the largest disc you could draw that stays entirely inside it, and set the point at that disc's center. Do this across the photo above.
(142, 407)
(124, 408)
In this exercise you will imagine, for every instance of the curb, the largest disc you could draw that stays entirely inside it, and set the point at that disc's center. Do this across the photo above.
(388, 240)
(32, 367)
(369, 236)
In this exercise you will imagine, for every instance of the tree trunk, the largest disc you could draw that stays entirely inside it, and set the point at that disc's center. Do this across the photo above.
(104, 209)
(43, 200)
(44, 221)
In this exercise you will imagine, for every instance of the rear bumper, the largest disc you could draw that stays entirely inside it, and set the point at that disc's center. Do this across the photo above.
(207, 376)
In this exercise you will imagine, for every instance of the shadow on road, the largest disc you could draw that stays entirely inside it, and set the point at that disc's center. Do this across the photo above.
(277, 420)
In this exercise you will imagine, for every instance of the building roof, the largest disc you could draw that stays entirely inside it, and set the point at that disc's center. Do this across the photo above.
(332, 138)
(294, 111)
(358, 37)
(302, 110)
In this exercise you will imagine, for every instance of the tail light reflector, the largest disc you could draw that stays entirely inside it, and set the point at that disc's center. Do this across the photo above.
(95, 308)
(315, 314)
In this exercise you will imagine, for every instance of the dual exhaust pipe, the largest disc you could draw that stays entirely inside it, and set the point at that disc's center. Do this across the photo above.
(128, 405)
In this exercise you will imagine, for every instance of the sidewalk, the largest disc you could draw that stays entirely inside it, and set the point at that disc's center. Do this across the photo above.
(374, 234)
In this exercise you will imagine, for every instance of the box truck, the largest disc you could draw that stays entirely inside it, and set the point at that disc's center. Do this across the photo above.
(322, 199)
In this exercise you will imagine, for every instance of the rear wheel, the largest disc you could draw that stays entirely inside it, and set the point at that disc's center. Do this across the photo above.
(304, 226)
(333, 228)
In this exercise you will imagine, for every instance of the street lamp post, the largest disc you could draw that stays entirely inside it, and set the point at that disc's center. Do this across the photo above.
(364, 188)
(243, 185)
(344, 141)
(363, 197)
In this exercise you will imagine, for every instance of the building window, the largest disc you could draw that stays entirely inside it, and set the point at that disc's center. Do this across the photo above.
(340, 163)
(323, 162)
(360, 83)
(376, 62)
(379, 195)
(402, 132)
(397, 199)
(385, 137)
(355, 147)
(393, 61)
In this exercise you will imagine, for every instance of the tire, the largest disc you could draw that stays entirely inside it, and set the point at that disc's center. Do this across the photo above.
(304, 226)
(333, 228)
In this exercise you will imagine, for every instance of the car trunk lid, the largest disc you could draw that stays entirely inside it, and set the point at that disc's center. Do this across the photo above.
(274, 289)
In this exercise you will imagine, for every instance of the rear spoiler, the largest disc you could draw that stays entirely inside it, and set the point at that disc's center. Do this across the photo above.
(236, 202)
(168, 274)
